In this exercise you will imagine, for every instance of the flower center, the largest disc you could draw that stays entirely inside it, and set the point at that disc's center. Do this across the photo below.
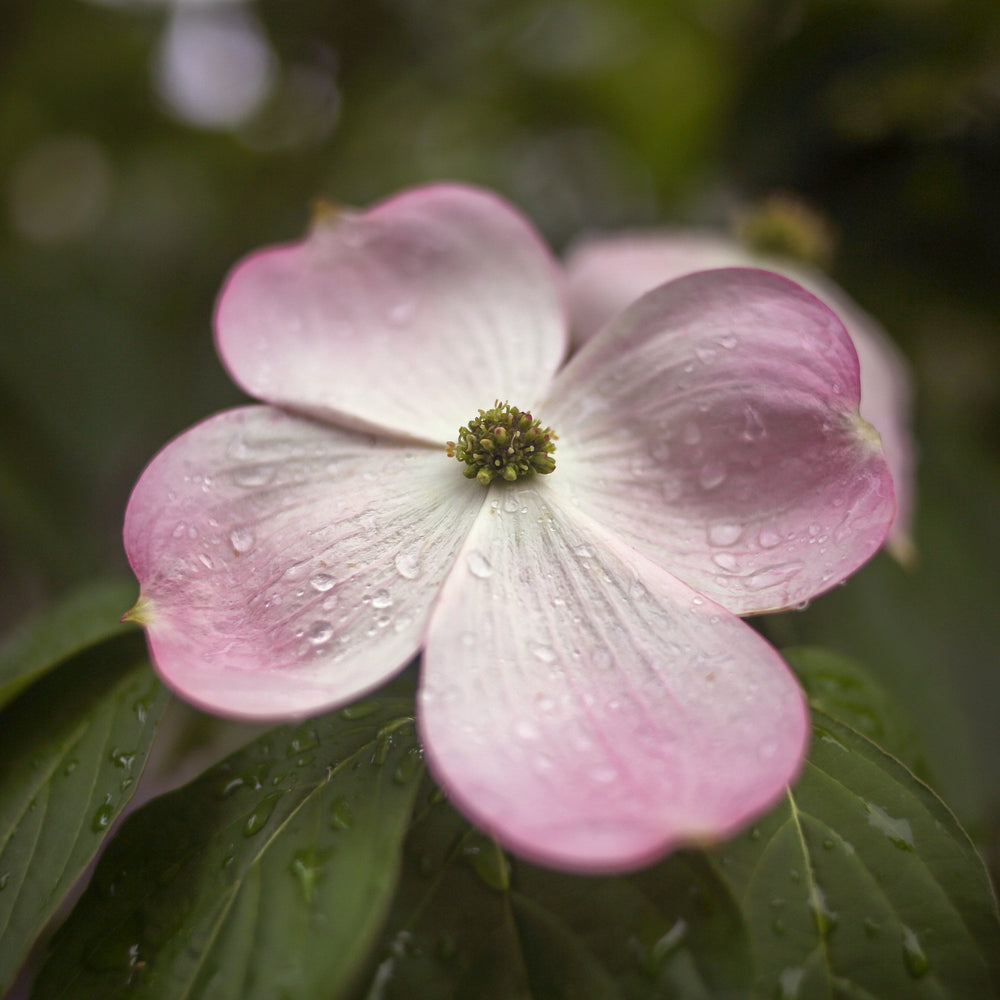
(503, 442)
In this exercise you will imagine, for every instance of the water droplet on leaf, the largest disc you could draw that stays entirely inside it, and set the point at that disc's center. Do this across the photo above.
(256, 820)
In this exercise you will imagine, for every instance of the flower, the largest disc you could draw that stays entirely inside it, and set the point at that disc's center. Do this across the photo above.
(588, 694)
(606, 273)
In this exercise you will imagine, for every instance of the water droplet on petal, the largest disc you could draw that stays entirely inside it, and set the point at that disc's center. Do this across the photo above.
(712, 474)
(408, 564)
(382, 599)
(724, 534)
(753, 426)
(540, 651)
(319, 633)
(583, 552)
(511, 503)
(322, 582)
(728, 342)
(479, 565)
(706, 355)
(768, 538)
(241, 540)
(253, 476)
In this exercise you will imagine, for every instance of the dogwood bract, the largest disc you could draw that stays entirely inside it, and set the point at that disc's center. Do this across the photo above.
(588, 694)
(607, 272)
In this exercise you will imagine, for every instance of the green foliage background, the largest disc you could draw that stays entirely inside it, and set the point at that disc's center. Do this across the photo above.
(884, 114)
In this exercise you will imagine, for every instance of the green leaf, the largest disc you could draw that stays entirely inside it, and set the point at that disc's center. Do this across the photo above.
(840, 688)
(862, 884)
(71, 750)
(266, 877)
(82, 619)
(468, 922)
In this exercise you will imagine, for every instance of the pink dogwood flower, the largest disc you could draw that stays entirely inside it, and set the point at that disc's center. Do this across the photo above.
(606, 273)
(589, 694)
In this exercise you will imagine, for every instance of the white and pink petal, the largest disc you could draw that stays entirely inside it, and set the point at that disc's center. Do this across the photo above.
(607, 273)
(585, 707)
(403, 319)
(714, 426)
(285, 566)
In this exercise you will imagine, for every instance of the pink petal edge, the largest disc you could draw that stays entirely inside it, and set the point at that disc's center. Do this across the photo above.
(287, 567)
(586, 708)
(404, 319)
(714, 426)
(606, 273)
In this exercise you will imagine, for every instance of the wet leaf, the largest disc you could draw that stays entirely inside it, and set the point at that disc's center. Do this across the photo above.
(862, 884)
(72, 748)
(266, 877)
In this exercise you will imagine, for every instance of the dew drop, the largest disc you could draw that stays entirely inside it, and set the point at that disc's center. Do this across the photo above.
(768, 538)
(541, 652)
(479, 565)
(408, 564)
(253, 476)
(789, 981)
(511, 504)
(341, 813)
(382, 599)
(691, 433)
(723, 534)
(726, 561)
(307, 867)
(101, 819)
(319, 633)
(261, 814)
(753, 426)
(914, 957)
(712, 474)
(898, 831)
(322, 582)
(241, 540)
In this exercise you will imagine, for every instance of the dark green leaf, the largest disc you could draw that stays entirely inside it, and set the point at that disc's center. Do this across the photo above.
(862, 884)
(266, 877)
(80, 620)
(71, 750)
(840, 688)
(466, 923)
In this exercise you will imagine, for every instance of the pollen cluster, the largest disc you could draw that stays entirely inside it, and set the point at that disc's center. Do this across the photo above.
(504, 443)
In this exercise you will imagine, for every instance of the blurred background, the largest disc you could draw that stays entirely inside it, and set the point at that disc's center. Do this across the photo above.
(145, 146)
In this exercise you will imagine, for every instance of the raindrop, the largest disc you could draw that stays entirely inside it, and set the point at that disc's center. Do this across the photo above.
(726, 561)
(753, 426)
(102, 818)
(789, 982)
(706, 355)
(253, 476)
(768, 538)
(408, 766)
(479, 565)
(772, 576)
(408, 564)
(402, 312)
(241, 539)
(319, 633)
(382, 599)
(341, 813)
(724, 534)
(307, 867)
(256, 820)
(691, 433)
(583, 552)
(542, 652)
(322, 582)
(917, 963)
(712, 474)
(511, 503)
(899, 831)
